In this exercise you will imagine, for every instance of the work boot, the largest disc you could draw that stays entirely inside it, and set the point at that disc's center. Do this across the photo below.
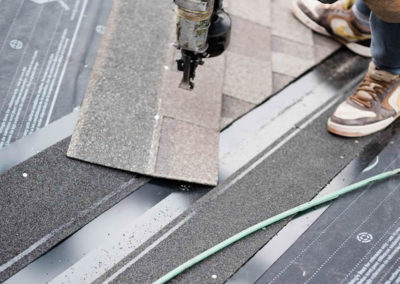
(335, 20)
(373, 106)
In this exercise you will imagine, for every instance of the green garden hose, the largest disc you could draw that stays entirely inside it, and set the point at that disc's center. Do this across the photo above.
(316, 202)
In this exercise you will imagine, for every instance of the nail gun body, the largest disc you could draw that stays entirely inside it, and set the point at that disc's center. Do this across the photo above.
(202, 31)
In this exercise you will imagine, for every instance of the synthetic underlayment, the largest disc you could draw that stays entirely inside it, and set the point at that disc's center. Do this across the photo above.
(356, 240)
(47, 50)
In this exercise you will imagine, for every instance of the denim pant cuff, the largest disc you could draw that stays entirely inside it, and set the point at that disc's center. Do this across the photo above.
(392, 70)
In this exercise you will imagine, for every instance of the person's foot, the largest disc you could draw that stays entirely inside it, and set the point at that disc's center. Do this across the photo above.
(373, 106)
(335, 20)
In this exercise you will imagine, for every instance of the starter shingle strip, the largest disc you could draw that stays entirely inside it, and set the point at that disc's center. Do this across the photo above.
(135, 103)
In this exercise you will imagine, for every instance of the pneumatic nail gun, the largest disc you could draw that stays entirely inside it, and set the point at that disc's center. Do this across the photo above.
(203, 30)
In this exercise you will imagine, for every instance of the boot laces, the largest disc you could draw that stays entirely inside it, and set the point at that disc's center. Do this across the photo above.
(369, 90)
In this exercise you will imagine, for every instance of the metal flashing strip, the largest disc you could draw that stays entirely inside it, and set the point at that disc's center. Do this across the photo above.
(111, 252)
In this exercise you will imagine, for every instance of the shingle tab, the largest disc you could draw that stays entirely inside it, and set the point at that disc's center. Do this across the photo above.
(135, 91)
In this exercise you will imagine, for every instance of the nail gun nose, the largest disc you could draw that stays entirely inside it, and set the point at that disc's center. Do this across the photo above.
(185, 65)
(188, 64)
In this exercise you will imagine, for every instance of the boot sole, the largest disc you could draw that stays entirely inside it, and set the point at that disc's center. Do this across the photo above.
(358, 130)
(354, 47)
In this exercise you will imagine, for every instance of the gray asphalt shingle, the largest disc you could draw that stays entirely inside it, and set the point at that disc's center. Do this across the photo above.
(135, 100)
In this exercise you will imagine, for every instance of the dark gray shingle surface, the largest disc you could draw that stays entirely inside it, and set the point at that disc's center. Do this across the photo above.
(49, 197)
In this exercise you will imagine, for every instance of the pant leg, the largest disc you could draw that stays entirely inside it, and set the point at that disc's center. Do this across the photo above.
(362, 8)
(385, 45)
(386, 10)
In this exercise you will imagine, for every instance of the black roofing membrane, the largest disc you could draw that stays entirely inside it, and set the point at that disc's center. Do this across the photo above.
(47, 51)
(357, 240)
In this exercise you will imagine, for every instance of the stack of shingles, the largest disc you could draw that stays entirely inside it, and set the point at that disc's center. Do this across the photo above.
(160, 130)
(269, 48)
